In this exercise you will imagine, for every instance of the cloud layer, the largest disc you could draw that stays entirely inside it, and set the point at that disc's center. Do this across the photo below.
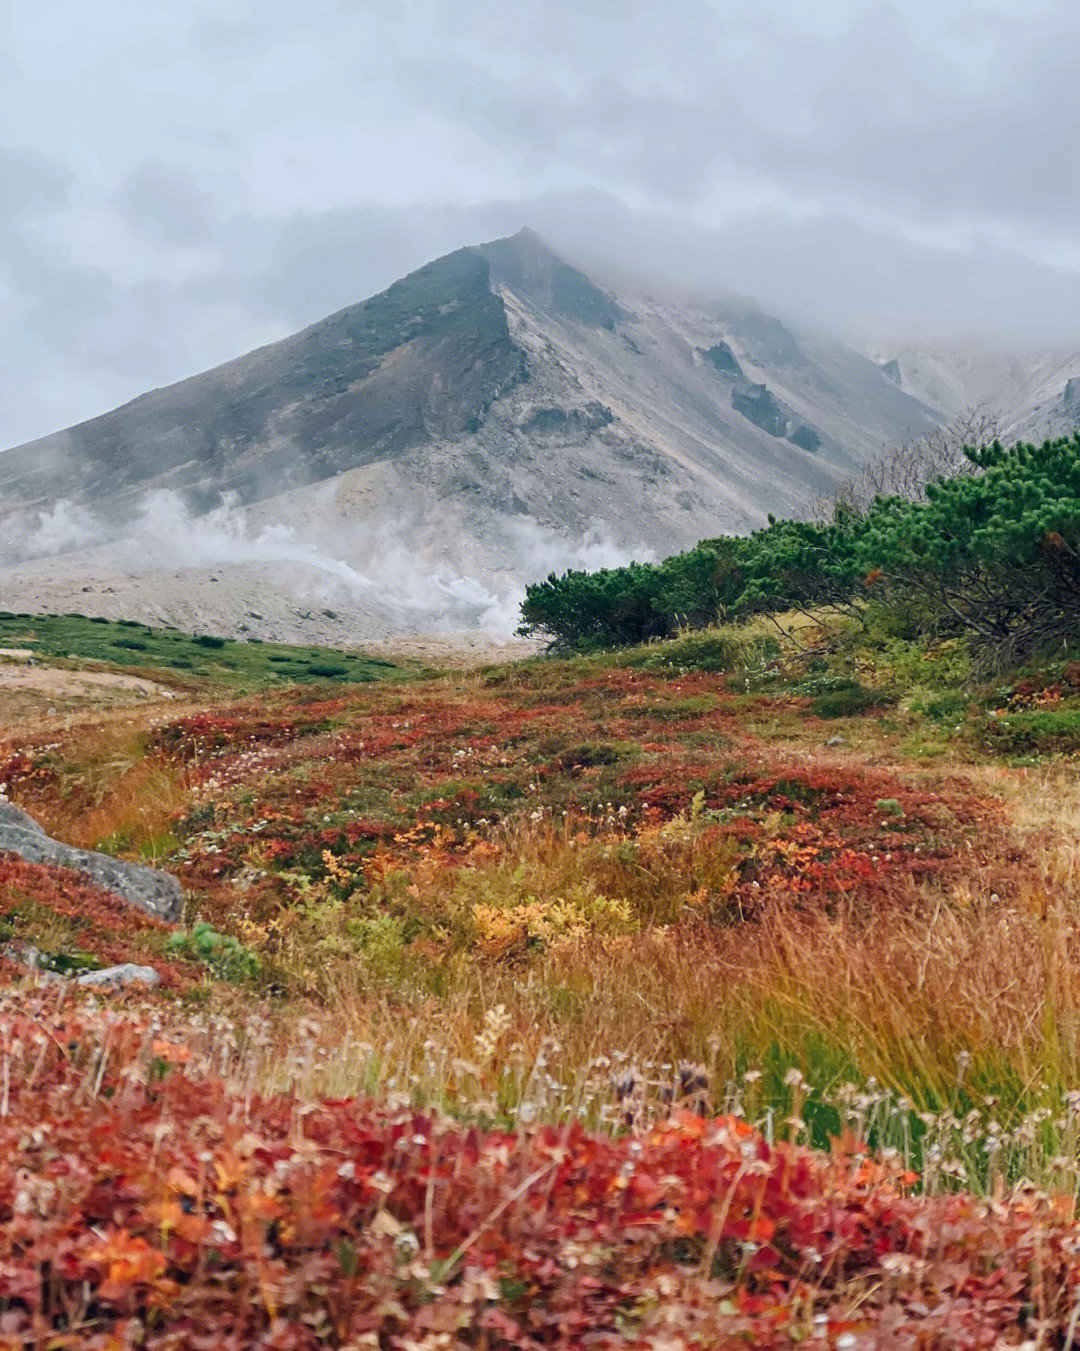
(182, 184)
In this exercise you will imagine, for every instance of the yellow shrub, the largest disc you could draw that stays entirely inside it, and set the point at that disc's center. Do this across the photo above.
(499, 928)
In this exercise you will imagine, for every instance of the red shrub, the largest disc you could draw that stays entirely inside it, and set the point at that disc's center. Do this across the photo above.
(151, 1207)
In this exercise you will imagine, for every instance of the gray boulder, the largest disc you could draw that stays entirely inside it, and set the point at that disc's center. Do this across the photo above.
(156, 892)
(127, 973)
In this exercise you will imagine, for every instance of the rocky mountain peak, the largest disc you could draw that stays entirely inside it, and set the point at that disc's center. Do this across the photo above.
(526, 265)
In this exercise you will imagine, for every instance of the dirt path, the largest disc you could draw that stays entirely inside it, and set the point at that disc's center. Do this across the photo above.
(36, 697)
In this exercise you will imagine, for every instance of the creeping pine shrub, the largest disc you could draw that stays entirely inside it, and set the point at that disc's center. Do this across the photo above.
(222, 954)
(991, 554)
(619, 606)
(848, 698)
(1037, 730)
(788, 563)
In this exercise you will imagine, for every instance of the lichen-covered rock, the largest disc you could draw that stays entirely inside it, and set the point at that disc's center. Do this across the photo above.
(156, 892)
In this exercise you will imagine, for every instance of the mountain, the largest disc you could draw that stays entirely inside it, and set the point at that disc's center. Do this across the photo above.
(422, 360)
(491, 415)
(1032, 394)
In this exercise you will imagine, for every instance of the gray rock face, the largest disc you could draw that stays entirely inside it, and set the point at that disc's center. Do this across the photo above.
(758, 405)
(723, 358)
(805, 438)
(127, 973)
(156, 892)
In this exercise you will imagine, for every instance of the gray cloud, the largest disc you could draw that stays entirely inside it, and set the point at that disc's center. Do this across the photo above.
(32, 184)
(176, 193)
(165, 206)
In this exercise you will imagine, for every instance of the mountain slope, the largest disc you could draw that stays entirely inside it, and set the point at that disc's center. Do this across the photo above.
(424, 358)
(493, 415)
(1033, 393)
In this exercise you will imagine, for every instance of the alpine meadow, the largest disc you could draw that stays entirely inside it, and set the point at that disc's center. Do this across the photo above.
(539, 676)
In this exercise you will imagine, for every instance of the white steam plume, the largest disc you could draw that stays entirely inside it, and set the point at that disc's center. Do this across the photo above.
(380, 565)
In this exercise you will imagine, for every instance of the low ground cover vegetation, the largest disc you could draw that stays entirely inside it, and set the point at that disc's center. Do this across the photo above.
(159, 1206)
(716, 991)
(126, 644)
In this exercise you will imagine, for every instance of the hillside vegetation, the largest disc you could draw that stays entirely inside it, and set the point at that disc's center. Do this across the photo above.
(711, 991)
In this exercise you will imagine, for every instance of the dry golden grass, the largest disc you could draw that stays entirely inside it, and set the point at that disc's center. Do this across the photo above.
(950, 1005)
(1046, 801)
(105, 789)
(870, 998)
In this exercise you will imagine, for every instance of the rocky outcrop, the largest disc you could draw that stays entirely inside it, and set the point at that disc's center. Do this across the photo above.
(804, 437)
(127, 973)
(891, 371)
(722, 358)
(156, 892)
(758, 405)
(589, 418)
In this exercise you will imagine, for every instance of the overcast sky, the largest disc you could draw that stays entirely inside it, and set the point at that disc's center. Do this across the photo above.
(179, 183)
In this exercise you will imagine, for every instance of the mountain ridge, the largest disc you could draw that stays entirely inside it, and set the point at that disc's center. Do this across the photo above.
(1032, 392)
(216, 417)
